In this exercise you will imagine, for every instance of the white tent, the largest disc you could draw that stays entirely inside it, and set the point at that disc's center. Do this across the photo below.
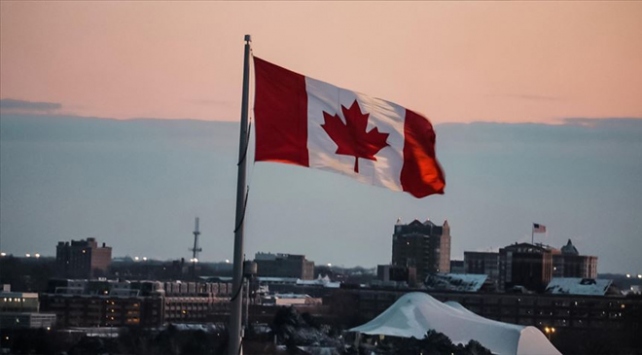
(415, 313)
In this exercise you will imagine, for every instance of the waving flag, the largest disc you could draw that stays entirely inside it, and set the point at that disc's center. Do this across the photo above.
(307, 122)
(539, 228)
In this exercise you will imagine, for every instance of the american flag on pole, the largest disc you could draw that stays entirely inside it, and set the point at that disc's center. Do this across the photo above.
(539, 228)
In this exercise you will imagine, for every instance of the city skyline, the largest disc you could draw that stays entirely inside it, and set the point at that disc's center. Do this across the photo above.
(138, 184)
(535, 106)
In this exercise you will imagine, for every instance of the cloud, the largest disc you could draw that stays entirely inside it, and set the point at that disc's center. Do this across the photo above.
(614, 122)
(28, 106)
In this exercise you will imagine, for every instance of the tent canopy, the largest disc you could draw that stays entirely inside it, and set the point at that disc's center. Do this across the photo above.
(415, 313)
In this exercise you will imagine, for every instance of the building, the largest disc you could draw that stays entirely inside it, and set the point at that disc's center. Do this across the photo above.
(284, 265)
(290, 299)
(525, 265)
(116, 303)
(569, 263)
(82, 259)
(19, 310)
(599, 316)
(457, 267)
(486, 263)
(458, 282)
(425, 246)
(397, 273)
(582, 286)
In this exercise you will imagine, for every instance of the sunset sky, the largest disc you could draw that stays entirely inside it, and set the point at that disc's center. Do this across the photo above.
(452, 61)
(119, 120)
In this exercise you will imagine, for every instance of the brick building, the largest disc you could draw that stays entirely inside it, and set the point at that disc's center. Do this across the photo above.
(424, 246)
(569, 263)
(82, 259)
(94, 303)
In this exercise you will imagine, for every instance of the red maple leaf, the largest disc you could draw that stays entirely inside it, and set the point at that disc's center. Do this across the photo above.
(351, 137)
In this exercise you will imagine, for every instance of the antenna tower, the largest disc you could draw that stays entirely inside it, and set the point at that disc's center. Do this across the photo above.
(195, 250)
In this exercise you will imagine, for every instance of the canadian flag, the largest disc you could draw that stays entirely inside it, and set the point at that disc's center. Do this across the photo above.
(307, 122)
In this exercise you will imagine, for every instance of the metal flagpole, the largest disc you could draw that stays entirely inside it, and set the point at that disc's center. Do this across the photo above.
(234, 344)
(532, 234)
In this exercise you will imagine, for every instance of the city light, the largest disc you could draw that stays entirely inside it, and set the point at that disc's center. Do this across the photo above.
(193, 260)
(37, 255)
(628, 276)
(136, 258)
(144, 258)
(329, 264)
(28, 255)
(3, 254)
(639, 276)
(227, 261)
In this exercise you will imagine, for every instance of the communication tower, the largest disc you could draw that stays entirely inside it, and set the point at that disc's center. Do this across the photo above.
(196, 249)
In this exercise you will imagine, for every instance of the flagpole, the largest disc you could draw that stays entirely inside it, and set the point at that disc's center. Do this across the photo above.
(532, 234)
(234, 344)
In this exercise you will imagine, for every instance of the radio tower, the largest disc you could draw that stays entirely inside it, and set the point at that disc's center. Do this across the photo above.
(195, 250)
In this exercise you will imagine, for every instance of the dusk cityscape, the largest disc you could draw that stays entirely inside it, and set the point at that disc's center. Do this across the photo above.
(161, 188)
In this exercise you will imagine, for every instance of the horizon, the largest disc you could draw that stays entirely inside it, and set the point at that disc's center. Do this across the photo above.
(100, 170)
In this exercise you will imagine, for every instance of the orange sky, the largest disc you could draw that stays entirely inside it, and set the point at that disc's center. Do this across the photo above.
(453, 61)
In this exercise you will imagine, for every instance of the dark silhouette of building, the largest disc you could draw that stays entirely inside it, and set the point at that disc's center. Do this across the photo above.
(457, 267)
(425, 246)
(82, 259)
(117, 303)
(526, 265)
(284, 265)
(486, 263)
(20, 310)
(569, 263)
(397, 273)
(586, 316)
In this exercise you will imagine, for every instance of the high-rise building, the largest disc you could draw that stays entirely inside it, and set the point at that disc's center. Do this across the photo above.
(82, 259)
(569, 263)
(284, 265)
(425, 246)
(526, 265)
